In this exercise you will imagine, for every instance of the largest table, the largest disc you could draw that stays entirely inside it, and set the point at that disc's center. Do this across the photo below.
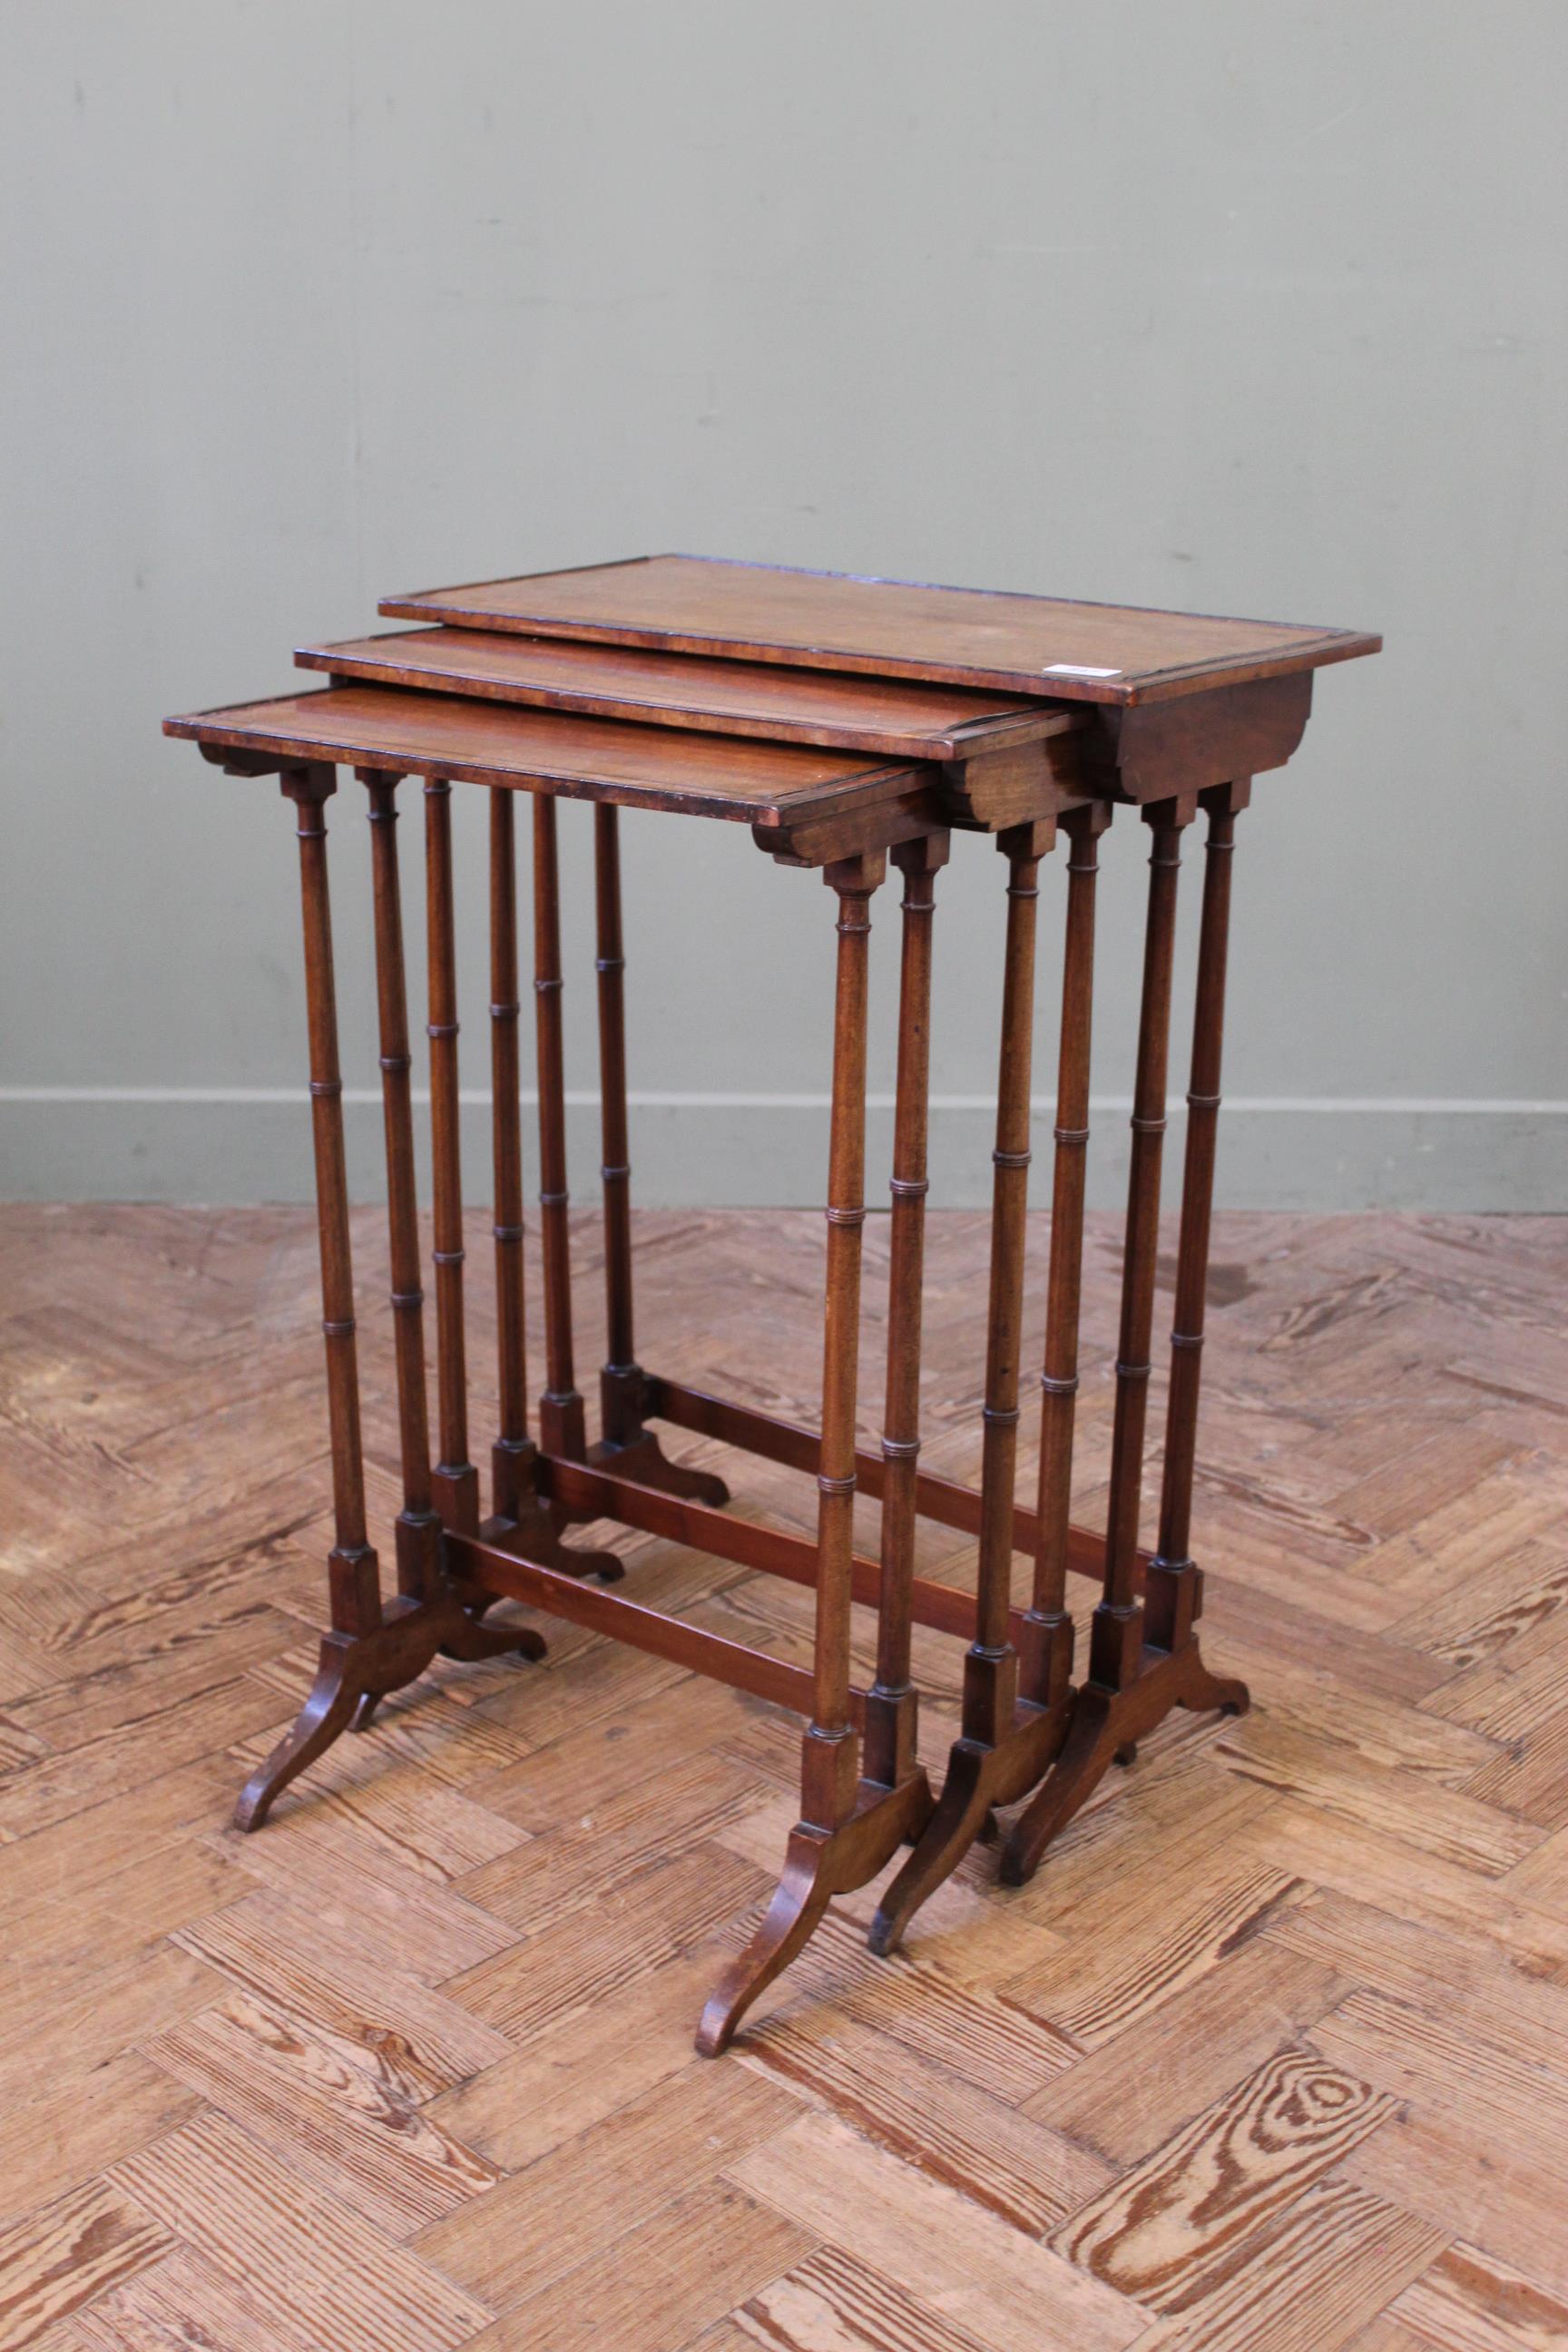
(849, 722)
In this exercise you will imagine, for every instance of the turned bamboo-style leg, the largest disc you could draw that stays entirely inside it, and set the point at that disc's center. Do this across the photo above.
(512, 1455)
(448, 1614)
(560, 1406)
(1132, 1685)
(829, 1775)
(1173, 1599)
(419, 1528)
(991, 1672)
(521, 1522)
(1048, 1649)
(457, 1482)
(627, 1444)
(365, 1654)
(848, 1829)
(369, 1652)
(892, 1720)
(352, 1572)
(1116, 1639)
(1002, 1748)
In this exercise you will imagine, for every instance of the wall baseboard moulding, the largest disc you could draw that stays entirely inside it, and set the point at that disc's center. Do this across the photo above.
(240, 1144)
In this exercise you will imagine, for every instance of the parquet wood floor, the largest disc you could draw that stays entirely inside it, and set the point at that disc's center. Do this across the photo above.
(1271, 2054)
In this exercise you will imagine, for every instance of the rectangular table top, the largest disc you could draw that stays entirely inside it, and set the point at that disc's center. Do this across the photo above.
(583, 758)
(891, 716)
(978, 638)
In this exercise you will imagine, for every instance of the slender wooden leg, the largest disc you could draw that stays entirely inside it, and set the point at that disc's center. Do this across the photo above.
(1174, 1600)
(560, 1406)
(891, 1722)
(520, 1516)
(991, 1672)
(1133, 1681)
(353, 1576)
(370, 1651)
(996, 1743)
(848, 1830)
(456, 1482)
(357, 1634)
(1047, 1650)
(512, 1455)
(828, 1774)
(627, 1445)
(422, 1579)
(418, 1529)
(1115, 1640)
(520, 1523)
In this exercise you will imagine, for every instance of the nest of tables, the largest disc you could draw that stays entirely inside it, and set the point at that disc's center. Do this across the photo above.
(851, 723)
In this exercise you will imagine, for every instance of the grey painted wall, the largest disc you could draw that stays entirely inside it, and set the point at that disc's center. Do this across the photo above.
(1250, 310)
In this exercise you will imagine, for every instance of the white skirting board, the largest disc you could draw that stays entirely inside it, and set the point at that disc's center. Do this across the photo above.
(235, 1146)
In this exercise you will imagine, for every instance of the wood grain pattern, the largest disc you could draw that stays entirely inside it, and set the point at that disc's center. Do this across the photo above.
(578, 758)
(184, 2303)
(729, 697)
(452, 1985)
(59, 2258)
(1311, 2282)
(1433, 2164)
(935, 2121)
(211, 2185)
(83, 2122)
(546, 2220)
(832, 2300)
(1142, 1958)
(689, 2264)
(889, 629)
(531, 1987)
(1004, 2287)
(1128, 2095)
(1468, 2301)
(327, 2108)
(284, 1952)
(1178, 2219)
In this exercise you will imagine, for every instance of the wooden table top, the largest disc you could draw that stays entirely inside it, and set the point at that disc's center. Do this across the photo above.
(749, 781)
(891, 716)
(973, 638)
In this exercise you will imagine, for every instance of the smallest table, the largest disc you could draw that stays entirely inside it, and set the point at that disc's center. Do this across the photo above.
(847, 723)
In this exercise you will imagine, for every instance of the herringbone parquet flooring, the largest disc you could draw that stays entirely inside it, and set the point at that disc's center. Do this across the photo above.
(1272, 2053)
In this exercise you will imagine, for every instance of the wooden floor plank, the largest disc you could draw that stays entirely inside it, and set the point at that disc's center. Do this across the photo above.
(326, 2108)
(1144, 1953)
(538, 1981)
(1134, 2091)
(543, 2223)
(931, 2117)
(1468, 2301)
(833, 2299)
(1178, 2221)
(284, 1952)
(1009, 2290)
(1495, 2076)
(182, 2303)
(305, 2260)
(1432, 2162)
(682, 2268)
(1309, 2283)
(82, 2121)
(69, 2250)
(564, 2081)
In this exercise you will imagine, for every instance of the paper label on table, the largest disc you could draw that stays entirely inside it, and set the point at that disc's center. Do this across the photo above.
(1077, 669)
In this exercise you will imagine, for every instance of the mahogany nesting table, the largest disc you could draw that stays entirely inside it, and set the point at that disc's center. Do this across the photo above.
(847, 721)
